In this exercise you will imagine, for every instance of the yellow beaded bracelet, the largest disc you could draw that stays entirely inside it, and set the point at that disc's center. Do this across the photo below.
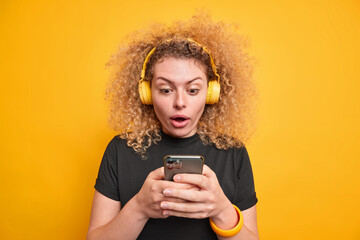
(230, 232)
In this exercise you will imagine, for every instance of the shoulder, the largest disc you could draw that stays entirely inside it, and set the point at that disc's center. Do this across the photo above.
(239, 157)
(116, 146)
(222, 142)
(117, 141)
(242, 151)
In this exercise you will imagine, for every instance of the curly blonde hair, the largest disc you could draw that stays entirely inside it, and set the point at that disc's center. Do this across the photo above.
(229, 123)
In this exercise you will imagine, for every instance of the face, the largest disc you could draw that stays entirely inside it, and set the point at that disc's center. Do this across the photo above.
(179, 89)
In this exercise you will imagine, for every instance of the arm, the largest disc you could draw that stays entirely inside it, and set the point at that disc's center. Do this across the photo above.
(109, 221)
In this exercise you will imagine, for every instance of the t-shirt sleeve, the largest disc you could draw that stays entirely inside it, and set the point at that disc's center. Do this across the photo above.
(107, 179)
(246, 195)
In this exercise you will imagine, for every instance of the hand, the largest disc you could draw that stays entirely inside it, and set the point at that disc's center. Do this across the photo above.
(150, 196)
(209, 201)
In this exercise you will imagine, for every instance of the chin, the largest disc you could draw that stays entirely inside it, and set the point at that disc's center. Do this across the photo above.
(180, 133)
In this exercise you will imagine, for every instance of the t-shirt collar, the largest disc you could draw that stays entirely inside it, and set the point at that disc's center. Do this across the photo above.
(178, 141)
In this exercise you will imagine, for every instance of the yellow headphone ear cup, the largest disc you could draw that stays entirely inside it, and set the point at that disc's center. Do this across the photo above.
(213, 92)
(145, 92)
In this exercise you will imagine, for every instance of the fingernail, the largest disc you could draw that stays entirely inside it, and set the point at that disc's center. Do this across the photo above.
(164, 206)
(166, 213)
(167, 192)
(177, 178)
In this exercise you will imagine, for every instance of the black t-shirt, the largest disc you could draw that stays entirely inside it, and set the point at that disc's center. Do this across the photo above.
(122, 173)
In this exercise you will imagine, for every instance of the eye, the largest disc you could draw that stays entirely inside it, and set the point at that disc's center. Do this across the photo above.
(165, 90)
(193, 91)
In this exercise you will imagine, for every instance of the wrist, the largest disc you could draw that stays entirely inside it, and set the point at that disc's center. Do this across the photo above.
(137, 208)
(229, 232)
(227, 217)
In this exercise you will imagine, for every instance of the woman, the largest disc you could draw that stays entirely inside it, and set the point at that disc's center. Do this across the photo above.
(194, 98)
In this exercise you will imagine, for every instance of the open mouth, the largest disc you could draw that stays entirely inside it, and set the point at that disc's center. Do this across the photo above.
(179, 121)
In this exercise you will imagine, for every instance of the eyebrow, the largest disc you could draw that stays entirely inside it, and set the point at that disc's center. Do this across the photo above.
(172, 82)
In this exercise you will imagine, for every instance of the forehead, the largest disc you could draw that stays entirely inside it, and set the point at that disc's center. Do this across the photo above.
(179, 69)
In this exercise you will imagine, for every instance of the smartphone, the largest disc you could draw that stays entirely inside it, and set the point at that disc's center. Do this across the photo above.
(174, 164)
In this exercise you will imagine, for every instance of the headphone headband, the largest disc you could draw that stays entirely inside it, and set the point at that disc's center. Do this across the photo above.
(145, 63)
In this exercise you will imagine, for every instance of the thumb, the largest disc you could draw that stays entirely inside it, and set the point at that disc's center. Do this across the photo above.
(157, 174)
(207, 171)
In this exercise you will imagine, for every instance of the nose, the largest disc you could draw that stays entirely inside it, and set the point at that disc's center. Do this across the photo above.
(180, 101)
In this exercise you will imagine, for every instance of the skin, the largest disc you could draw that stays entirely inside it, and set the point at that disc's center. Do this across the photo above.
(178, 89)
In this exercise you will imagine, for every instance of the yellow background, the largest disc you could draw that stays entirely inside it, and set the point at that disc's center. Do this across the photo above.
(305, 153)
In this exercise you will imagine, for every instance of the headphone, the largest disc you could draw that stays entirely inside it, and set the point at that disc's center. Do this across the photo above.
(213, 92)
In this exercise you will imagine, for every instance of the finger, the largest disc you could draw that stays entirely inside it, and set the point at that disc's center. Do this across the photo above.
(188, 195)
(189, 207)
(171, 184)
(208, 172)
(182, 207)
(197, 215)
(195, 179)
(157, 174)
(173, 199)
